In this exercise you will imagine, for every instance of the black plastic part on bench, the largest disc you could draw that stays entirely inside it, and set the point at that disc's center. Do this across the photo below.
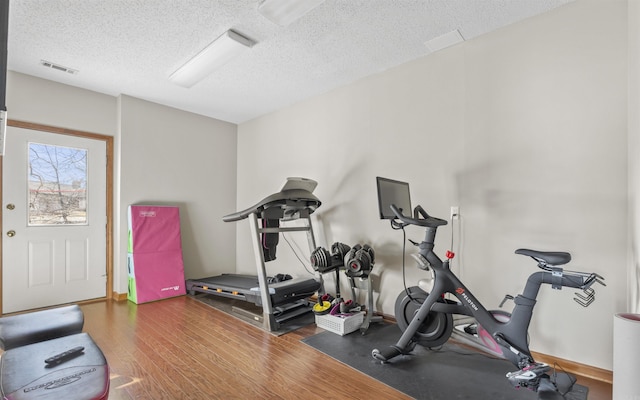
(64, 356)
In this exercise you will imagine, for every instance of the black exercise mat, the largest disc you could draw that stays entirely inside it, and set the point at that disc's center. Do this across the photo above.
(454, 372)
(243, 311)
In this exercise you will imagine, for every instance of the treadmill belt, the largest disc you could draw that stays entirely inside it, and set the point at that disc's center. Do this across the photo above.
(235, 281)
(247, 288)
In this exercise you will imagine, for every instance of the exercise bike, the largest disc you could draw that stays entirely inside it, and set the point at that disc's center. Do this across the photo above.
(427, 318)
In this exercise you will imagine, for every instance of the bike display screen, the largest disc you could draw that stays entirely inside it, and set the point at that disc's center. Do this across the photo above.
(393, 192)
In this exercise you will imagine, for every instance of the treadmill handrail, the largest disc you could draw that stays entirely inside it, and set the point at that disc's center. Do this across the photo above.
(290, 201)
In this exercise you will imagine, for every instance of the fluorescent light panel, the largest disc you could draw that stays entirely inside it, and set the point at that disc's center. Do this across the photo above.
(284, 12)
(222, 50)
(444, 41)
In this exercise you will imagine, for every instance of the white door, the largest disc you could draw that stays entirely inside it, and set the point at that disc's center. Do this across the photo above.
(53, 219)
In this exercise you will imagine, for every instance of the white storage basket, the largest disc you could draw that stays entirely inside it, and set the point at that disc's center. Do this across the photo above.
(340, 325)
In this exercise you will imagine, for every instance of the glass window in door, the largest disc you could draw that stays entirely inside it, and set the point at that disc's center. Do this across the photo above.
(57, 179)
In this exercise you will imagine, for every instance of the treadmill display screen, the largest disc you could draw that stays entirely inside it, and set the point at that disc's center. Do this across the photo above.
(393, 192)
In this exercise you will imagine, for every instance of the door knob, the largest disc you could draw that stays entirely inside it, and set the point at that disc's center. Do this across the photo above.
(11, 233)
(11, 206)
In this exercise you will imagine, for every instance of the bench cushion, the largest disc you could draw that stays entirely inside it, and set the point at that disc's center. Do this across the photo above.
(23, 329)
(24, 375)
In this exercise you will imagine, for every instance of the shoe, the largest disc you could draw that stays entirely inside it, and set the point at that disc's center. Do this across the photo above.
(528, 376)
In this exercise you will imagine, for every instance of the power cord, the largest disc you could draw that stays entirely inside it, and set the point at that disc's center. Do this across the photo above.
(572, 379)
(297, 255)
(399, 226)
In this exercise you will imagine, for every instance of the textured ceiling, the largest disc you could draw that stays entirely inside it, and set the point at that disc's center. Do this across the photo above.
(132, 46)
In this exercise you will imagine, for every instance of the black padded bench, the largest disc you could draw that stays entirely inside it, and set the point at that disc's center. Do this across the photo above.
(23, 329)
(24, 374)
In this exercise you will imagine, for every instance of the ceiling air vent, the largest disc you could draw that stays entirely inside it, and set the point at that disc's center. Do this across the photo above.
(58, 67)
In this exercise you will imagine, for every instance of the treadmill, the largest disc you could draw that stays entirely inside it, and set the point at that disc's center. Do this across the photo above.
(281, 299)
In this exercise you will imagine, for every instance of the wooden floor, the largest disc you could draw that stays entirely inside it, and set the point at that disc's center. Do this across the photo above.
(182, 349)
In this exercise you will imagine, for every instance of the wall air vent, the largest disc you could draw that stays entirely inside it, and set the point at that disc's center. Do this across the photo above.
(58, 67)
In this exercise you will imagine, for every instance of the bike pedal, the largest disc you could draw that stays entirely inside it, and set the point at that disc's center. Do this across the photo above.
(528, 376)
(471, 329)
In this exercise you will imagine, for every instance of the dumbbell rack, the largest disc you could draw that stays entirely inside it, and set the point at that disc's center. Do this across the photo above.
(369, 317)
(324, 262)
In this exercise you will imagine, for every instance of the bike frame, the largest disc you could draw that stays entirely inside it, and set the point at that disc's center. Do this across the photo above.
(510, 336)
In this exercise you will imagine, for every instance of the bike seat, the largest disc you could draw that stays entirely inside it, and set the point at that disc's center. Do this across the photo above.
(549, 257)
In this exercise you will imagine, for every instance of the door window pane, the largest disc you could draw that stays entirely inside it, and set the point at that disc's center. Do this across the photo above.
(57, 185)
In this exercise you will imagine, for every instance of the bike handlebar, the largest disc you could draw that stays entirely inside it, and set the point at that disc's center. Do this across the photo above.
(421, 218)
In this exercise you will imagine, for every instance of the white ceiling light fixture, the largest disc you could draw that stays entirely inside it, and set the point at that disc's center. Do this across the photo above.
(444, 41)
(284, 12)
(222, 50)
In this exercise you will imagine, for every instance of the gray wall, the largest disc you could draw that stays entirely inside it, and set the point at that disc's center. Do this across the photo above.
(525, 129)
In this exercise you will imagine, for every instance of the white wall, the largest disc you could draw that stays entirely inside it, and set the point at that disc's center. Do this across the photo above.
(172, 157)
(344, 139)
(548, 129)
(45, 102)
(162, 155)
(525, 129)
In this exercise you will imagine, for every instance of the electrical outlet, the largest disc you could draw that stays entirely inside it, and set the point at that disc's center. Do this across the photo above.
(455, 212)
